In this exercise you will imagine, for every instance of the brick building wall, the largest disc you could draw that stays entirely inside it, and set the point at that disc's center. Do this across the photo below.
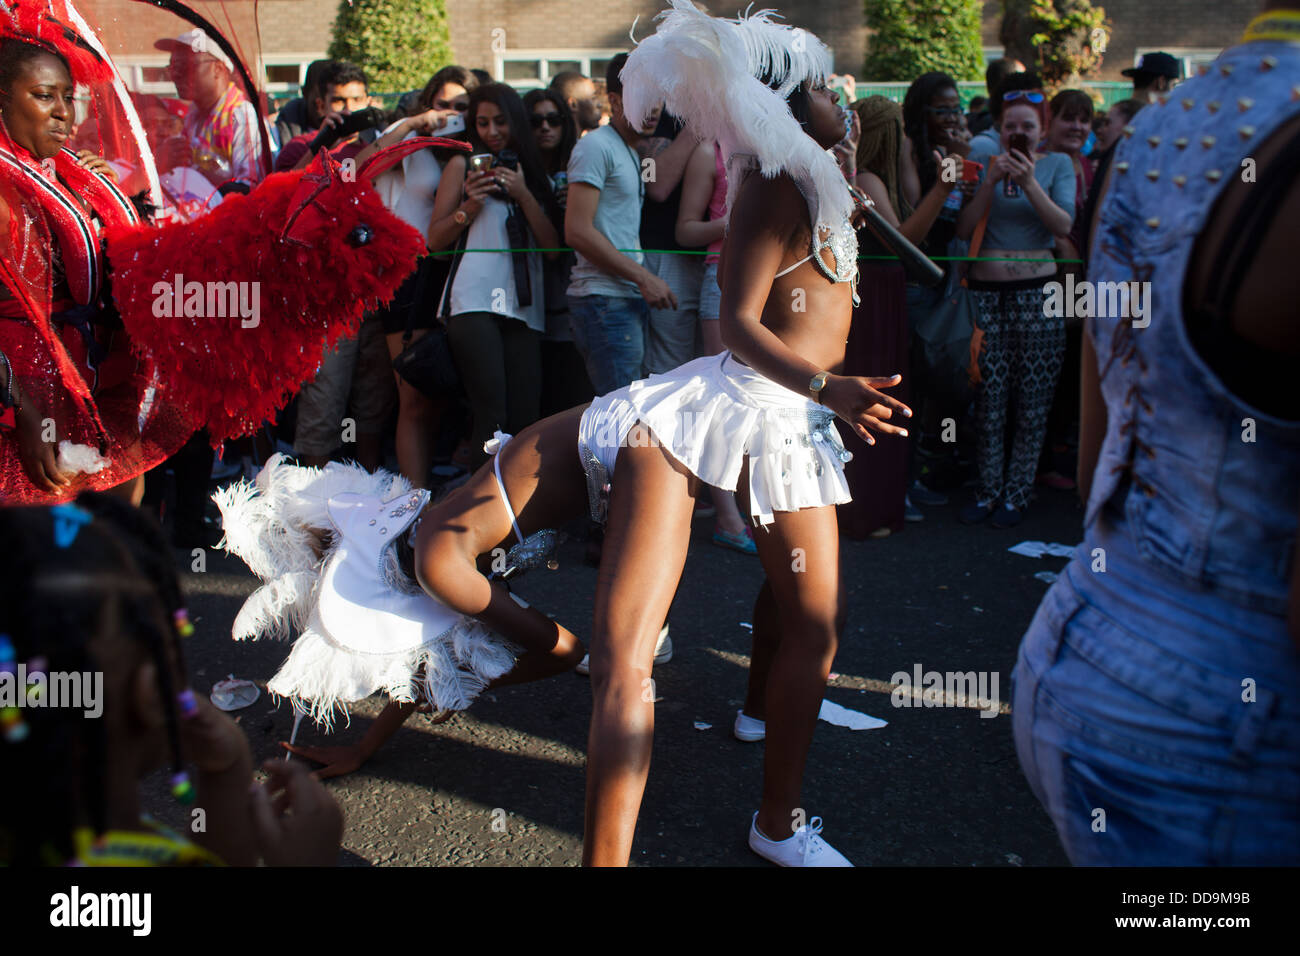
(1140, 25)
(299, 30)
(604, 24)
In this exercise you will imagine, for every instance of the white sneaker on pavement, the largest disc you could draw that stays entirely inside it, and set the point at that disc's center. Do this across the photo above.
(749, 728)
(663, 652)
(805, 848)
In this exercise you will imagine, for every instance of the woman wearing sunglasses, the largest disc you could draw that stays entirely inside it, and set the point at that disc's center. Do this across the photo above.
(1024, 201)
(496, 295)
(564, 373)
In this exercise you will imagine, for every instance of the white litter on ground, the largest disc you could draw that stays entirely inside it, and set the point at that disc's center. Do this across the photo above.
(1037, 549)
(833, 713)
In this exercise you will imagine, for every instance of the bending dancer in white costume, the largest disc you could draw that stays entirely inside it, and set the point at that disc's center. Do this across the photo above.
(757, 419)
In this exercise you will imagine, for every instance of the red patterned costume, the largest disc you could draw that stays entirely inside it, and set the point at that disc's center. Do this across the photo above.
(87, 317)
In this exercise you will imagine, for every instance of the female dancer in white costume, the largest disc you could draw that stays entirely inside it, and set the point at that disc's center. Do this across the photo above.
(756, 419)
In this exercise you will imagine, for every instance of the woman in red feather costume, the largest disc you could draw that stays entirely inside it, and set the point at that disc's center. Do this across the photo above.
(121, 339)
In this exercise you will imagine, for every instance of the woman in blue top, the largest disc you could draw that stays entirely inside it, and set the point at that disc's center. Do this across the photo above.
(1022, 347)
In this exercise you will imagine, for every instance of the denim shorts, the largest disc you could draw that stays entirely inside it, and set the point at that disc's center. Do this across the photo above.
(1143, 749)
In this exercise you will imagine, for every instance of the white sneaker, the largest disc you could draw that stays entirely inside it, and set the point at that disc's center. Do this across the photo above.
(805, 848)
(663, 652)
(749, 728)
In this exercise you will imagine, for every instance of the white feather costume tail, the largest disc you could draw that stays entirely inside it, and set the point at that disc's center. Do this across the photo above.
(705, 70)
(322, 541)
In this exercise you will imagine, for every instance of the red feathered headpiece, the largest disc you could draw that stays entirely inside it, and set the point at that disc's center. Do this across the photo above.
(46, 23)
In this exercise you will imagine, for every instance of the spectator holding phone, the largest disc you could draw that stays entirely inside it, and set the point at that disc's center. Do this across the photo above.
(1025, 200)
(409, 190)
(497, 198)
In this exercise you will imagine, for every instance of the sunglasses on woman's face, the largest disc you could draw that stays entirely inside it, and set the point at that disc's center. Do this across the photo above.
(550, 119)
(943, 110)
(450, 105)
(1033, 96)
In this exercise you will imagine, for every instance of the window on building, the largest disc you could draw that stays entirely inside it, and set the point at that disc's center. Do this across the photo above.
(530, 69)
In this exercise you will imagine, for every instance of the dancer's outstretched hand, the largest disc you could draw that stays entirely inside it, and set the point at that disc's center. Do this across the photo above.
(857, 401)
(338, 761)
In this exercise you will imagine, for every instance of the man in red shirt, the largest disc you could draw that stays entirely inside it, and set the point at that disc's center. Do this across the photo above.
(343, 91)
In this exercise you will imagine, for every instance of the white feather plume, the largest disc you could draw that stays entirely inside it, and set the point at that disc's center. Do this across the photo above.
(705, 71)
(280, 526)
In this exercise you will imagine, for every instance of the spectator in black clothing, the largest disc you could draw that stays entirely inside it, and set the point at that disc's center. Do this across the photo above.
(995, 74)
(565, 382)
(932, 122)
(977, 114)
(301, 115)
(1119, 116)
(1154, 74)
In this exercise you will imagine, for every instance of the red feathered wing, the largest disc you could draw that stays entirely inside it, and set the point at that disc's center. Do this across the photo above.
(267, 281)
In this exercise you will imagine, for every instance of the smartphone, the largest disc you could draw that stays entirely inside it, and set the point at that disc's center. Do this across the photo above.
(453, 125)
(1018, 141)
(480, 162)
(970, 170)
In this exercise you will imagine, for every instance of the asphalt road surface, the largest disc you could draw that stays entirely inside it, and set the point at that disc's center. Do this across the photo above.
(502, 783)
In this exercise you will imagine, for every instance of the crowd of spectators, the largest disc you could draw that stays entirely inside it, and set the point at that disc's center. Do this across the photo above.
(573, 251)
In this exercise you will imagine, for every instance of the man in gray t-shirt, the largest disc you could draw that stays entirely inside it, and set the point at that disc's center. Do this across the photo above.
(610, 292)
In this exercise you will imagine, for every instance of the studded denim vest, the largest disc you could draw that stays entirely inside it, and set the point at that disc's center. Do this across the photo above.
(1197, 499)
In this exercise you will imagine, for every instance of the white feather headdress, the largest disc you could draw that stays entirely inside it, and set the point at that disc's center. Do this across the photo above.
(705, 70)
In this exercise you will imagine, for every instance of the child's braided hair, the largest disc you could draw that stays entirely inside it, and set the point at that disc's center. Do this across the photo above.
(116, 577)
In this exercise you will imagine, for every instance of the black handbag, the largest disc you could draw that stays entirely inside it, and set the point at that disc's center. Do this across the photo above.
(428, 364)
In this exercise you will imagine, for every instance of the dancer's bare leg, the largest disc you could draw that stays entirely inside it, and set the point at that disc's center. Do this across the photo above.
(645, 546)
(766, 636)
(547, 487)
(800, 555)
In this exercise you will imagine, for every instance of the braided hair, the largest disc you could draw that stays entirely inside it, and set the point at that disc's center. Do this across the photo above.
(880, 145)
(62, 608)
(916, 123)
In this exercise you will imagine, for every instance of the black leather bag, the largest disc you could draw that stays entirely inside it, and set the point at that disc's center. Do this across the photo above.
(428, 364)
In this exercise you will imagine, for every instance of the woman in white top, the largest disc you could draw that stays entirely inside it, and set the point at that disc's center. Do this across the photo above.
(409, 190)
(496, 316)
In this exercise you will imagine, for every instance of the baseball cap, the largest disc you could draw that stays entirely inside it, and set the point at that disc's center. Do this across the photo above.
(1155, 64)
(196, 41)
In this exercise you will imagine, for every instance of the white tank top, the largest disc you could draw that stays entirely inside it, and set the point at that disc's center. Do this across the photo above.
(485, 281)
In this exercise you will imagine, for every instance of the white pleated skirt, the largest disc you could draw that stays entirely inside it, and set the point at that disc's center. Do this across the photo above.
(711, 414)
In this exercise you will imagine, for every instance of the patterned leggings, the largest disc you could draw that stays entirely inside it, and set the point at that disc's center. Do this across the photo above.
(1023, 351)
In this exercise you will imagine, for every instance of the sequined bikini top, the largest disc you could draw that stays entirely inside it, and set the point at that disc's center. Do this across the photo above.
(843, 244)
